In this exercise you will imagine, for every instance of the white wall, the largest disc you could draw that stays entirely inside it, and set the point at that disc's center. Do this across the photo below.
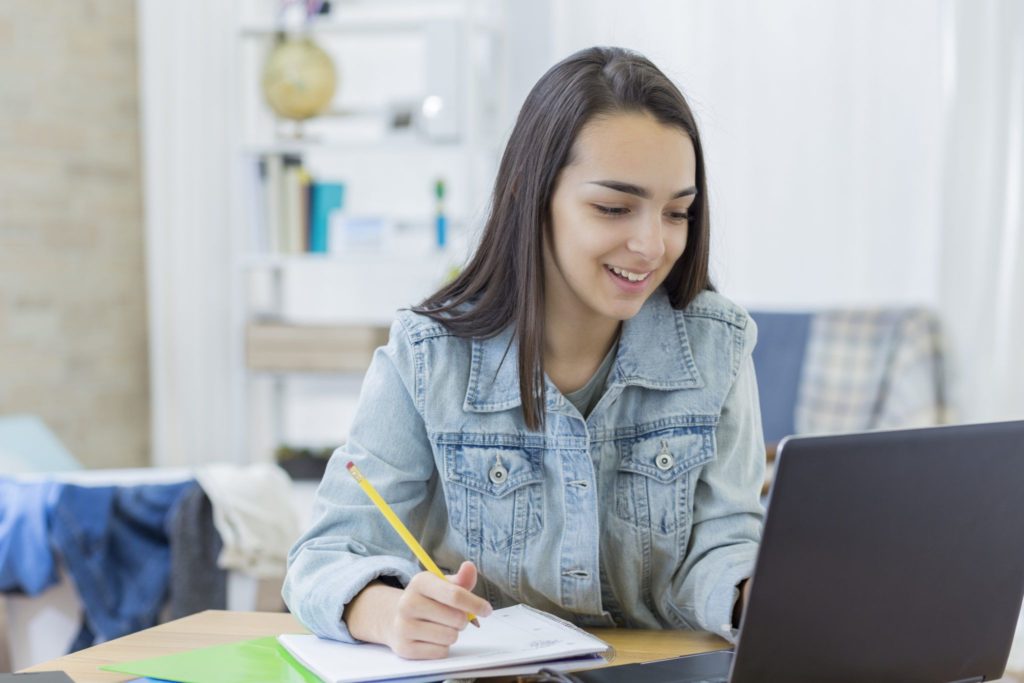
(822, 129)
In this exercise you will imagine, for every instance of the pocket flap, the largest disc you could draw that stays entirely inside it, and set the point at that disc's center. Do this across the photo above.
(666, 455)
(494, 470)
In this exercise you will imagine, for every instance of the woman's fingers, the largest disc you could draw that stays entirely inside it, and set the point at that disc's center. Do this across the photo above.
(426, 609)
(450, 594)
(414, 649)
(466, 576)
(416, 630)
(425, 628)
(432, 611)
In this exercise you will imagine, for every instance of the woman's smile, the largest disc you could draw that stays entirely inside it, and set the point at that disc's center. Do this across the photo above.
(628, 281)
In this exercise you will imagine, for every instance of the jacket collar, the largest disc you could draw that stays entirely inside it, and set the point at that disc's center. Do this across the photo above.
(654, 352)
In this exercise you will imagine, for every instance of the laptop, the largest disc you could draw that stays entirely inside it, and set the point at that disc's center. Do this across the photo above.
(886, 556)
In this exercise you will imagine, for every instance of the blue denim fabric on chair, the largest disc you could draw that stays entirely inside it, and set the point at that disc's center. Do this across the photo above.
(113, 541)
(26, 560)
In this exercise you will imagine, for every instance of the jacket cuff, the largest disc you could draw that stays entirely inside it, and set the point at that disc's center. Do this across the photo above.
(718, 609)
(334, 595)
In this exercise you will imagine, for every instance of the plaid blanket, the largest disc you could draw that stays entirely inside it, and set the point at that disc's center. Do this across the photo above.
(871, 369)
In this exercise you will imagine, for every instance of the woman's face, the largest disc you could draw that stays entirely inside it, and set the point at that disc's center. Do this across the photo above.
(619, 216)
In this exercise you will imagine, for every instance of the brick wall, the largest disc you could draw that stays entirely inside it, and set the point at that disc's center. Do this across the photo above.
(72, 280)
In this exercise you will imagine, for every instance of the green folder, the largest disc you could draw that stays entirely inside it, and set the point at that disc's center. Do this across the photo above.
(262, 660)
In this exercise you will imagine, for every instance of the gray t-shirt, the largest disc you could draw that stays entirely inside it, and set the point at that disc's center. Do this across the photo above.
(586, 397)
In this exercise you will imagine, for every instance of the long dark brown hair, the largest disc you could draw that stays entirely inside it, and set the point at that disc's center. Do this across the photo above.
(504, 281)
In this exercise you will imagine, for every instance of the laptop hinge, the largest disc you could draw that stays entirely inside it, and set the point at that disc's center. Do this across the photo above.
(975, 679)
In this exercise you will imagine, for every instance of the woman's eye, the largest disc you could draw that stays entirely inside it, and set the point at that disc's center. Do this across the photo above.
(611, 210)
(679, 216)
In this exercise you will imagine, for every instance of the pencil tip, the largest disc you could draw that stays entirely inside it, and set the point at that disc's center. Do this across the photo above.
(475, 622)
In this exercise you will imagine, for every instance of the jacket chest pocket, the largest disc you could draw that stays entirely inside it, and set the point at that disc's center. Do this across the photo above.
(652, 484)
(493, 493)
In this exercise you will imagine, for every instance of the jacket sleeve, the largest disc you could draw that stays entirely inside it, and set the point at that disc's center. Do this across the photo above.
(727, 511)
(350, 544)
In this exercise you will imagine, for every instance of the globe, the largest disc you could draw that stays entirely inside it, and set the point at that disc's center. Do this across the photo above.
(299, 79)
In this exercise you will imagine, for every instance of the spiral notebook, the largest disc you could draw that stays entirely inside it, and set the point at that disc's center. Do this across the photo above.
(513, 640)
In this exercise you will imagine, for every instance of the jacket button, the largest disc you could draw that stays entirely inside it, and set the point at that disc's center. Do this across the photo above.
(664, 460)
(498, 473)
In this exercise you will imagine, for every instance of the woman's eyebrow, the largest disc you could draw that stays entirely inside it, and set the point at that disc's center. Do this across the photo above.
(643, 192)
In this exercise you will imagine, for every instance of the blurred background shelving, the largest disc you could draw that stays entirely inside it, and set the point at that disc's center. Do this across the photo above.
(418, 91)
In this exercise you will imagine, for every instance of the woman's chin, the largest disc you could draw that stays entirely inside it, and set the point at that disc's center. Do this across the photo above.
(622, 310)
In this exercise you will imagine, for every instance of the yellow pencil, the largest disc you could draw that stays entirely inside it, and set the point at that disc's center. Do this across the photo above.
(396, 523)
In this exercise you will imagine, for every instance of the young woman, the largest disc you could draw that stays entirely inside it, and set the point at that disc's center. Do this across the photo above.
(572, 423)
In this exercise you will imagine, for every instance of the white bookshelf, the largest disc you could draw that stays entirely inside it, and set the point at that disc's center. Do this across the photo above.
(301, 318)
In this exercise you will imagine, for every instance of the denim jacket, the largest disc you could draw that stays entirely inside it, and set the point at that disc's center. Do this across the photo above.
(646, 514)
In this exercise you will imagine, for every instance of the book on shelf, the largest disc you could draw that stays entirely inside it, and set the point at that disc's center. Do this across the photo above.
(273, 213)
(291, 210)
(324, 199)
(254, 205)
(294, 210)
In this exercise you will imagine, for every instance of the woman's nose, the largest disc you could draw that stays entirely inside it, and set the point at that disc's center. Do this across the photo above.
(647, 240)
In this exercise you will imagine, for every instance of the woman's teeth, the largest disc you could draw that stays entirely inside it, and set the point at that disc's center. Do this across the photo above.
(628, 275)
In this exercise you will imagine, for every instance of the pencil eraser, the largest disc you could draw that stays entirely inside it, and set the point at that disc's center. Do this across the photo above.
(350, 465)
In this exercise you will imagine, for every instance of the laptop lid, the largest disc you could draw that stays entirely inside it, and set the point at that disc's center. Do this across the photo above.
(889, 556)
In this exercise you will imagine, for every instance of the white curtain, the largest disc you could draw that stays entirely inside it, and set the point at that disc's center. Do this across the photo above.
(186, 85)
(982, 288)
(982, 285)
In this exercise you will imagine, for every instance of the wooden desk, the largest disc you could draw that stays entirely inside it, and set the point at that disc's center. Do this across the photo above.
(217, 627)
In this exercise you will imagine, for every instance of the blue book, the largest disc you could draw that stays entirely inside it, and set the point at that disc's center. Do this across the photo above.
(323, 199)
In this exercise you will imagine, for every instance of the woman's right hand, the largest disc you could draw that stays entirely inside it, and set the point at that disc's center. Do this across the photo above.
(423, 620)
